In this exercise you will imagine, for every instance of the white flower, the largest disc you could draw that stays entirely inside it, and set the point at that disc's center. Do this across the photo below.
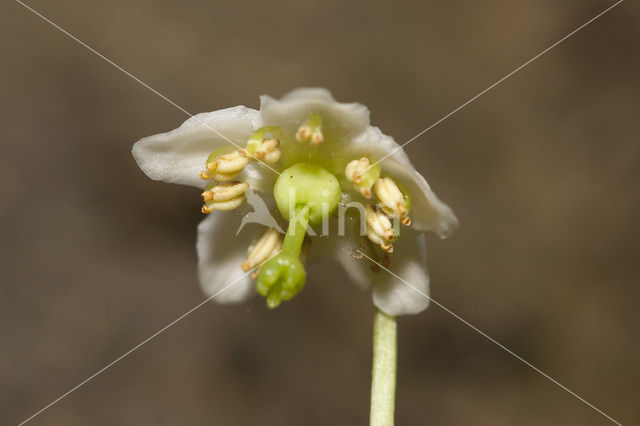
(305, 126)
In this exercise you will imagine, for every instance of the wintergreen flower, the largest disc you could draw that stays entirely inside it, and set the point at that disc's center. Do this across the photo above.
(311, 157)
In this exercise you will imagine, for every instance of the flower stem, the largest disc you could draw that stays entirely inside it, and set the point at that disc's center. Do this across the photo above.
(383, 380)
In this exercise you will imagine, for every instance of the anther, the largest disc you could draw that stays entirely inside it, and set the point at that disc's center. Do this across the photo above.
(392, 201)
(357, 254)
(226, 166)
(224, 197)
(230, 163)
(317, 138)
(362, 175)
(268, 150)
(225, 191)
(223, 177)
(379, 228)
(268, 245)
(311, 130)
(354, 169)
(366, 246)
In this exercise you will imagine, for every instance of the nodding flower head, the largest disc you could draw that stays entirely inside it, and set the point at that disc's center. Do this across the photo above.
(313, 159)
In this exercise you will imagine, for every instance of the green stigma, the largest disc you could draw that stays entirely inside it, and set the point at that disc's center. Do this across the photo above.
(305, 194)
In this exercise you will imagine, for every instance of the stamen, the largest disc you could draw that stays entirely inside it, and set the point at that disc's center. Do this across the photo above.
(362, 176)
(379, 228)
(265, 148)
(268, 151)
(366, 246)
(223, 206)
(224, 165)
(311, 130)
(230, 163)
(357, 254)
(354, 169)
(392, 201)
(223, 177)
(269, 244)
(225, 191)
(223, 197)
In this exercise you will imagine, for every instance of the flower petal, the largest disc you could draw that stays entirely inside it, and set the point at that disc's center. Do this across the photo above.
(347, 119)
(427, 213)
(220, 253)
(179, 156)
(220, 257)
(339, 244)
(408, 261)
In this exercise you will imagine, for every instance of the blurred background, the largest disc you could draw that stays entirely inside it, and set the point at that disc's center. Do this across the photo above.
(543, 172)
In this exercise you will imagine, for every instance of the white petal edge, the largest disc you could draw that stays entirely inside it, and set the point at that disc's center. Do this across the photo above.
(292, 109)
(428, 213)
(179, 156)
(220, 256)
(408, 261)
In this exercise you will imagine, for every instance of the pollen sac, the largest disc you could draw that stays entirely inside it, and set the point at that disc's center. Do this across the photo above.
(264, 145)
(268, 150)
(392, 201)
(311, 130)
(225, 167)
(363, 175)
(267, 246)
(223, 197)
(379, 228)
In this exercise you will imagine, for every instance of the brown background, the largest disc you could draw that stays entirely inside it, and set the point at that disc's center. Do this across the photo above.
(543, 172)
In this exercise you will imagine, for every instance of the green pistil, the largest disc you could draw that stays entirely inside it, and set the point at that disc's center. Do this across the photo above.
(310, 185)
(306, 194)
(283, 276)
(297, 230)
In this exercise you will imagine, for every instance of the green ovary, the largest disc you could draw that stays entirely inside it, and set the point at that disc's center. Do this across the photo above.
(310, 185)
(305, 194)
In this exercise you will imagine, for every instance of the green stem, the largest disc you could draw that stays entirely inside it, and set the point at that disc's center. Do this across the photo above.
(296, 231)
(383, 381)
